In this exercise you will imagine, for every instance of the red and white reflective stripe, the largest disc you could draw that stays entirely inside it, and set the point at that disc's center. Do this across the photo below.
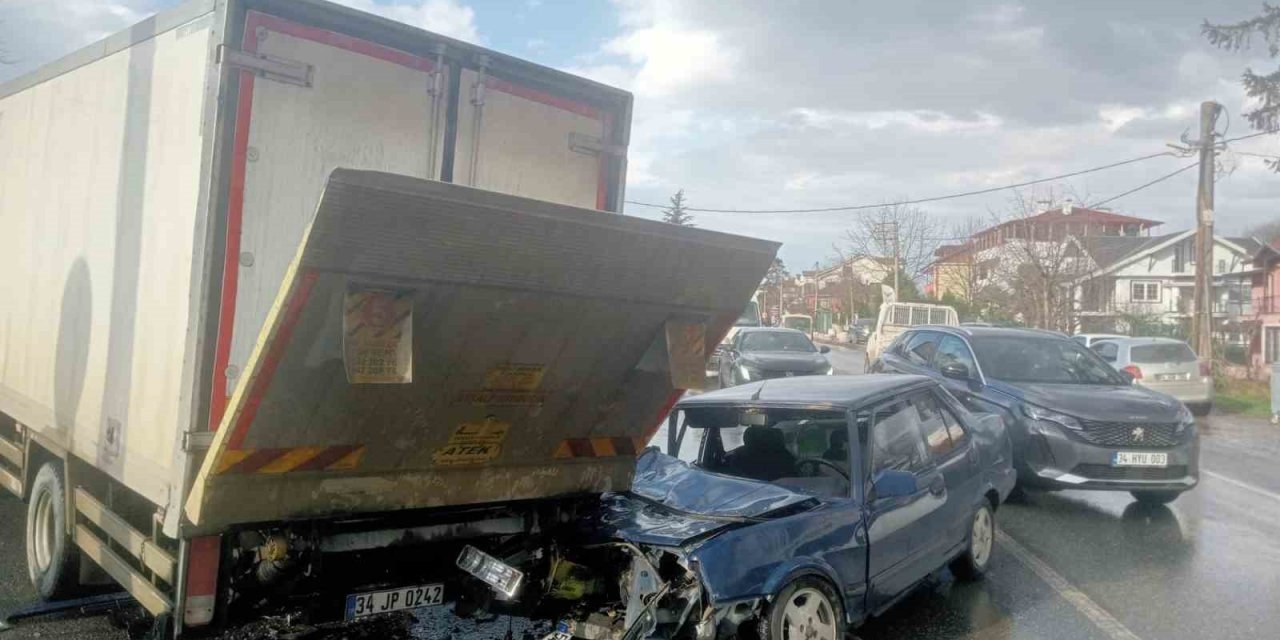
(202, 580)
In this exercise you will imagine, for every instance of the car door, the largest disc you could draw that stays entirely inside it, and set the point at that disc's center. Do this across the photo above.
(901, 530)
(953, 350)
(955, 456)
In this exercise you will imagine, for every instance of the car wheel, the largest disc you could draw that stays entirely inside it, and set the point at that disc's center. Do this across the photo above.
(973, 563)
(53, 562)
(1155, 497)
(807, 608)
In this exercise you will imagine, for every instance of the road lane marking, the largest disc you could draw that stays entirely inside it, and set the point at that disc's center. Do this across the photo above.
(1243, 485)
(1106, 622)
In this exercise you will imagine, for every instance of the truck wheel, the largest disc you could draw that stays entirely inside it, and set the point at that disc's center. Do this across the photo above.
(53, 562)
(973, 563)
(807, 608)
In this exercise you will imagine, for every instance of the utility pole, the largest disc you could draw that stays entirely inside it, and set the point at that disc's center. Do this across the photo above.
(1202, 319)
(882, 231)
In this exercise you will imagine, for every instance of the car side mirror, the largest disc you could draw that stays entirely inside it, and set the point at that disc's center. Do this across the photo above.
(824, 349)
(1128, 377)
(955, 371)
(892, 483)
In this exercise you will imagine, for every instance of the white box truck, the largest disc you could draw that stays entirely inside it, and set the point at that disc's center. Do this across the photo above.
(292, 293)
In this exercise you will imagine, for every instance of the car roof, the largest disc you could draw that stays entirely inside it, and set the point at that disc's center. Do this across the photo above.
(847, 392)
(771, 330)
(973, 331)
(1126, 340)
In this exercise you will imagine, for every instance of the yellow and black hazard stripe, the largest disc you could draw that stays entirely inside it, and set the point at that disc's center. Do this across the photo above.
(599, 447)
(336, 458)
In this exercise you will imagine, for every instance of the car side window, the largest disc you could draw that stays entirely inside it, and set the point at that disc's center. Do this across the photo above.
(934, 427)
(896, 443)
(1106, 350)
(919, 350)
(953, 350)
(895, 347)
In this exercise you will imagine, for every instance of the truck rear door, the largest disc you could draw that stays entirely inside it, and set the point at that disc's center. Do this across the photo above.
(432, 345)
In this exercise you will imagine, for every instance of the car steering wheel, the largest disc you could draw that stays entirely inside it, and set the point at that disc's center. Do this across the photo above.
(800, 466)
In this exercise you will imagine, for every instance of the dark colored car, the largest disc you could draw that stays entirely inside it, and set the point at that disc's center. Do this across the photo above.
(814, 503)
(1076, 422)
(771, 352)
(861, 329)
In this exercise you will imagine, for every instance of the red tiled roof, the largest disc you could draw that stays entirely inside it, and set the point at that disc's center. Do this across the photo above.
(1078, 214)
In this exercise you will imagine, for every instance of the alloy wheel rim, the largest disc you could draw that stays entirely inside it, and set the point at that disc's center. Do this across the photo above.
(808, 616)
(983, 536)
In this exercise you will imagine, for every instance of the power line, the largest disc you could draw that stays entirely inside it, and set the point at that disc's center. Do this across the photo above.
(964, 194)
(1144, 186)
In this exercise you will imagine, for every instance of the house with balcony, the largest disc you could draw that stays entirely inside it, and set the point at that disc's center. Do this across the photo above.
(963, 269)
(1263, 321)
(1146, 285)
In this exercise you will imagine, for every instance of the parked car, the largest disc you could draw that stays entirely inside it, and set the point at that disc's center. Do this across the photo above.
(818, 502)
(896, 317)
(1088, 339)
(771, 352)
(799, 322)
(1075, 421)
(1163, 364)
(861, 329)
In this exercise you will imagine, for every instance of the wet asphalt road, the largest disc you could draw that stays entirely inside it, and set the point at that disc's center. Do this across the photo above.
(1068, 565)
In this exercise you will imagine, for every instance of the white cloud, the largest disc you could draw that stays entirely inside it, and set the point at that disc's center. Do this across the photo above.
(445, 17)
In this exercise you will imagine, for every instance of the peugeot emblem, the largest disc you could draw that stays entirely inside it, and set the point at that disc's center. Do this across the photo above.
(1138, 434)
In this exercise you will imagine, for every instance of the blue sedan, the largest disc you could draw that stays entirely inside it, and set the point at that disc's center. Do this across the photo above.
(806, 505)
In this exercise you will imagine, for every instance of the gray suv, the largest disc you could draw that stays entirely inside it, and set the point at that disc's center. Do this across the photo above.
(1076, 423)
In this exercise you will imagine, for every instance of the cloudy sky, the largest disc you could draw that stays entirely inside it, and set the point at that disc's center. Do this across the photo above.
(795, 104)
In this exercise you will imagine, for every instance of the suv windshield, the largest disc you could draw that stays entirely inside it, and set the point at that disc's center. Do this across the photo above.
(776, 341)
(1161, 352)
(1041, 360)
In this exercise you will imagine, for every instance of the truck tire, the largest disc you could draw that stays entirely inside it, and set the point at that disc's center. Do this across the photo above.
(973, 563)
(806, 608)
(53, 562)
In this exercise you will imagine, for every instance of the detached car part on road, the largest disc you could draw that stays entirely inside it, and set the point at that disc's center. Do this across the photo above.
(1076, 423)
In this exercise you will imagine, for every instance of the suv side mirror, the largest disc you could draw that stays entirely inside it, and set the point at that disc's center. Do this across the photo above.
(892, 483)
(824, 349)
(955, 371)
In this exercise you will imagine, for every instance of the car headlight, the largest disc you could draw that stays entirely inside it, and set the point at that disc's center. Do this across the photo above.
(1044, 415)
(831, 371)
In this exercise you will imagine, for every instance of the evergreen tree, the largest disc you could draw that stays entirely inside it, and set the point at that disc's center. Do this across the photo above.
(676, 214)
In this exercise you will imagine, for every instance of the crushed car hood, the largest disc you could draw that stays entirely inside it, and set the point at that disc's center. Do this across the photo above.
(672, 503)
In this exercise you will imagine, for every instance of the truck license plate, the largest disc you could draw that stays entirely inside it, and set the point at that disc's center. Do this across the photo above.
(1139, 459)
(369, 603)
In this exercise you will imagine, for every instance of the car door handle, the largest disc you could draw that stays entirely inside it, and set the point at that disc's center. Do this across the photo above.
(938, 485)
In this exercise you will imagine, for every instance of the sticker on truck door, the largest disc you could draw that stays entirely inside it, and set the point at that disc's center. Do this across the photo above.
(377, 336)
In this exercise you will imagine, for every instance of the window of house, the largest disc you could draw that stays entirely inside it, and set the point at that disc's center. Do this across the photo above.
(1144, 292)
(1222, 266)
(1272, 339)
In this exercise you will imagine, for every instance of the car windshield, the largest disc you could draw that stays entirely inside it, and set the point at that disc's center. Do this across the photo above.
(1161, 352)
(1036, 359)
(776, 341)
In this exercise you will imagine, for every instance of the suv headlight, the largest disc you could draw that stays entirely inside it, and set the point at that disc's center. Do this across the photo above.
(1044, 415)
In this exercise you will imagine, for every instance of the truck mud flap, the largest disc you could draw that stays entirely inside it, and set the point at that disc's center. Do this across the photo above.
(435, 345)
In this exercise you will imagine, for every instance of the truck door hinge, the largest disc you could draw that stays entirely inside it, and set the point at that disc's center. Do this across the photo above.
(197, 440)
(594, 146)
(268, 67)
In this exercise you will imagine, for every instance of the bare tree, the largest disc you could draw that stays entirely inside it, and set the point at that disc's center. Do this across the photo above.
(1035, 264)
(899, 230)
(1266, 232)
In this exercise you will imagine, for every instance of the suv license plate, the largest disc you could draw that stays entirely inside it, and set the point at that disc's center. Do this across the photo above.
(1139, 459)
(369, 603)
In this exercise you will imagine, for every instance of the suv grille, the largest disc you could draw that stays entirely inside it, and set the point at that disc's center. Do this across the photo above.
(1107, 472)
(1132, 434)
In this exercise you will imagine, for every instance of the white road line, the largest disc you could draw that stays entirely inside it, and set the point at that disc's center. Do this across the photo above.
(1109, 625)
(1243, 485)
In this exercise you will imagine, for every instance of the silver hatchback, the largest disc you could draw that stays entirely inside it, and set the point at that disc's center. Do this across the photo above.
(1162, 364)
